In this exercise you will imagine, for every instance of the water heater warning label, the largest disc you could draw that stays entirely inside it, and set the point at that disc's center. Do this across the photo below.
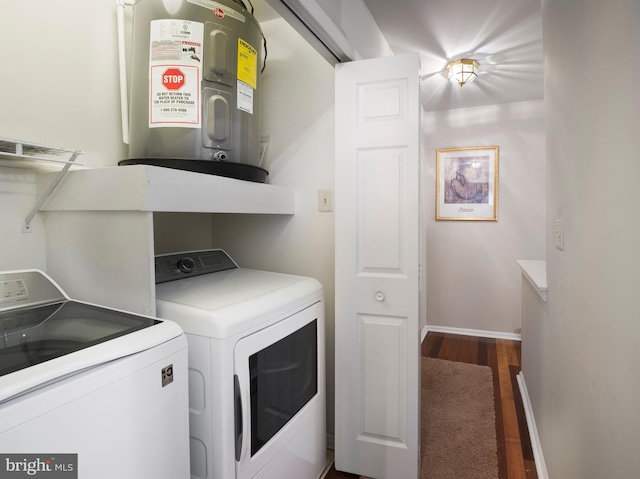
(245, 97)
(175, 57)
(174, 100)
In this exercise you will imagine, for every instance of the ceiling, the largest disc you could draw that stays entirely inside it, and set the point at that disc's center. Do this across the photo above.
(503, 36)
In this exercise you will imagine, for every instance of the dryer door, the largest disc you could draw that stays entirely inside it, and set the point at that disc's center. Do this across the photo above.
(280, 385)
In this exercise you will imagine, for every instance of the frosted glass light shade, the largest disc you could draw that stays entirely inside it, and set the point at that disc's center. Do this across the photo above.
(462, 71)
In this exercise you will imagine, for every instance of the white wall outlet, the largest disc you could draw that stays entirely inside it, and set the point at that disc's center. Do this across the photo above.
(325, 200)
(558, 233)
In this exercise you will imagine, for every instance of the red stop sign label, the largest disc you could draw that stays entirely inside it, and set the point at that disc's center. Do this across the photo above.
(173, 79)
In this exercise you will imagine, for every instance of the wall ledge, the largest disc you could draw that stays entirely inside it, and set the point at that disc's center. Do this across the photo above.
(536, 273)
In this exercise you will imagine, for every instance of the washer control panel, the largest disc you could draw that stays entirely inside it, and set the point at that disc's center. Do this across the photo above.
(27, 288)
(170, 267)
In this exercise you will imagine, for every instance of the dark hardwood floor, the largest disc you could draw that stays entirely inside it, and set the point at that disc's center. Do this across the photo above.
(515, 456)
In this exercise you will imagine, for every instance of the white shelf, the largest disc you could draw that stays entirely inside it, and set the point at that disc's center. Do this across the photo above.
(35, 156)
(22, 154)
(536, 274)
(153, 188)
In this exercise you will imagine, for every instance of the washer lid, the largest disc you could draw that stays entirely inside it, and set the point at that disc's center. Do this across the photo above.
(76, 337)
(31, 336)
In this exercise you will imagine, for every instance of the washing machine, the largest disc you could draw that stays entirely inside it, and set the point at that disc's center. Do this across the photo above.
(86, 391)
(257, 403)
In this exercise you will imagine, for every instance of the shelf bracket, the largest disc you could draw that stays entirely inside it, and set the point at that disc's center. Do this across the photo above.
(20, 154)
(26, 226)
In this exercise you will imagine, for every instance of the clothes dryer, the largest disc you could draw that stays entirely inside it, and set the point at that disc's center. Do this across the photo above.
(256, 365)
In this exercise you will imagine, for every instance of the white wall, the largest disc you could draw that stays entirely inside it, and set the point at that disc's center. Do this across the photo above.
(19, 250)
(585, 354)
(473, 281)
(60, 76)
(356, 23)
(298, 86)
(60, 88)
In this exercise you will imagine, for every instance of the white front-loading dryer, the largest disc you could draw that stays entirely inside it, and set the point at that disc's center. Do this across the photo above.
(257, 403)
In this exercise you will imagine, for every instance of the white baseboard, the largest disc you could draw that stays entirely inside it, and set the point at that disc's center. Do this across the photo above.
(538, 457)
(471, 332)
(423, 333)
(328, 464)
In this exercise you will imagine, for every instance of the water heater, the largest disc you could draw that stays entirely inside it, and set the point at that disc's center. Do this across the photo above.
(195, 87)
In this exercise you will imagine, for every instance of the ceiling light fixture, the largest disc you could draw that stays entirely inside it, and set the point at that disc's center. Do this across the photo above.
(462, 71)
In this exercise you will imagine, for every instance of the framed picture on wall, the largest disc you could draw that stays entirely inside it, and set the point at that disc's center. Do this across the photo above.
(467, 184)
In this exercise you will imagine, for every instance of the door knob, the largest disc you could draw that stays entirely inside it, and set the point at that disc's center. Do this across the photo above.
(379, 296)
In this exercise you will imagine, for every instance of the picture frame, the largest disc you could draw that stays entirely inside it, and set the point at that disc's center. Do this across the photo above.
(467, 183)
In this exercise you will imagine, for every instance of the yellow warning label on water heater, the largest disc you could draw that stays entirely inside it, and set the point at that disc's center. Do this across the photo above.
(247, 63)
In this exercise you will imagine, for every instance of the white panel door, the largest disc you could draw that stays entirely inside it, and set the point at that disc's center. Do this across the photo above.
(377, 267)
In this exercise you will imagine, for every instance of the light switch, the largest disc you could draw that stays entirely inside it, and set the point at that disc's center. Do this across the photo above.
(558, 233)
(325, 200)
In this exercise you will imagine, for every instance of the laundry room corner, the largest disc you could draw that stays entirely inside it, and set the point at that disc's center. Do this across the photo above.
(81, 109)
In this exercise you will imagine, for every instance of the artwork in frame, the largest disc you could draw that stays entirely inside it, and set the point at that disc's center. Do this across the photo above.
(467, 184)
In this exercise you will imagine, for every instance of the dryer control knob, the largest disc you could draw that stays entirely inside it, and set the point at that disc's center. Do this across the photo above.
(186, 264)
